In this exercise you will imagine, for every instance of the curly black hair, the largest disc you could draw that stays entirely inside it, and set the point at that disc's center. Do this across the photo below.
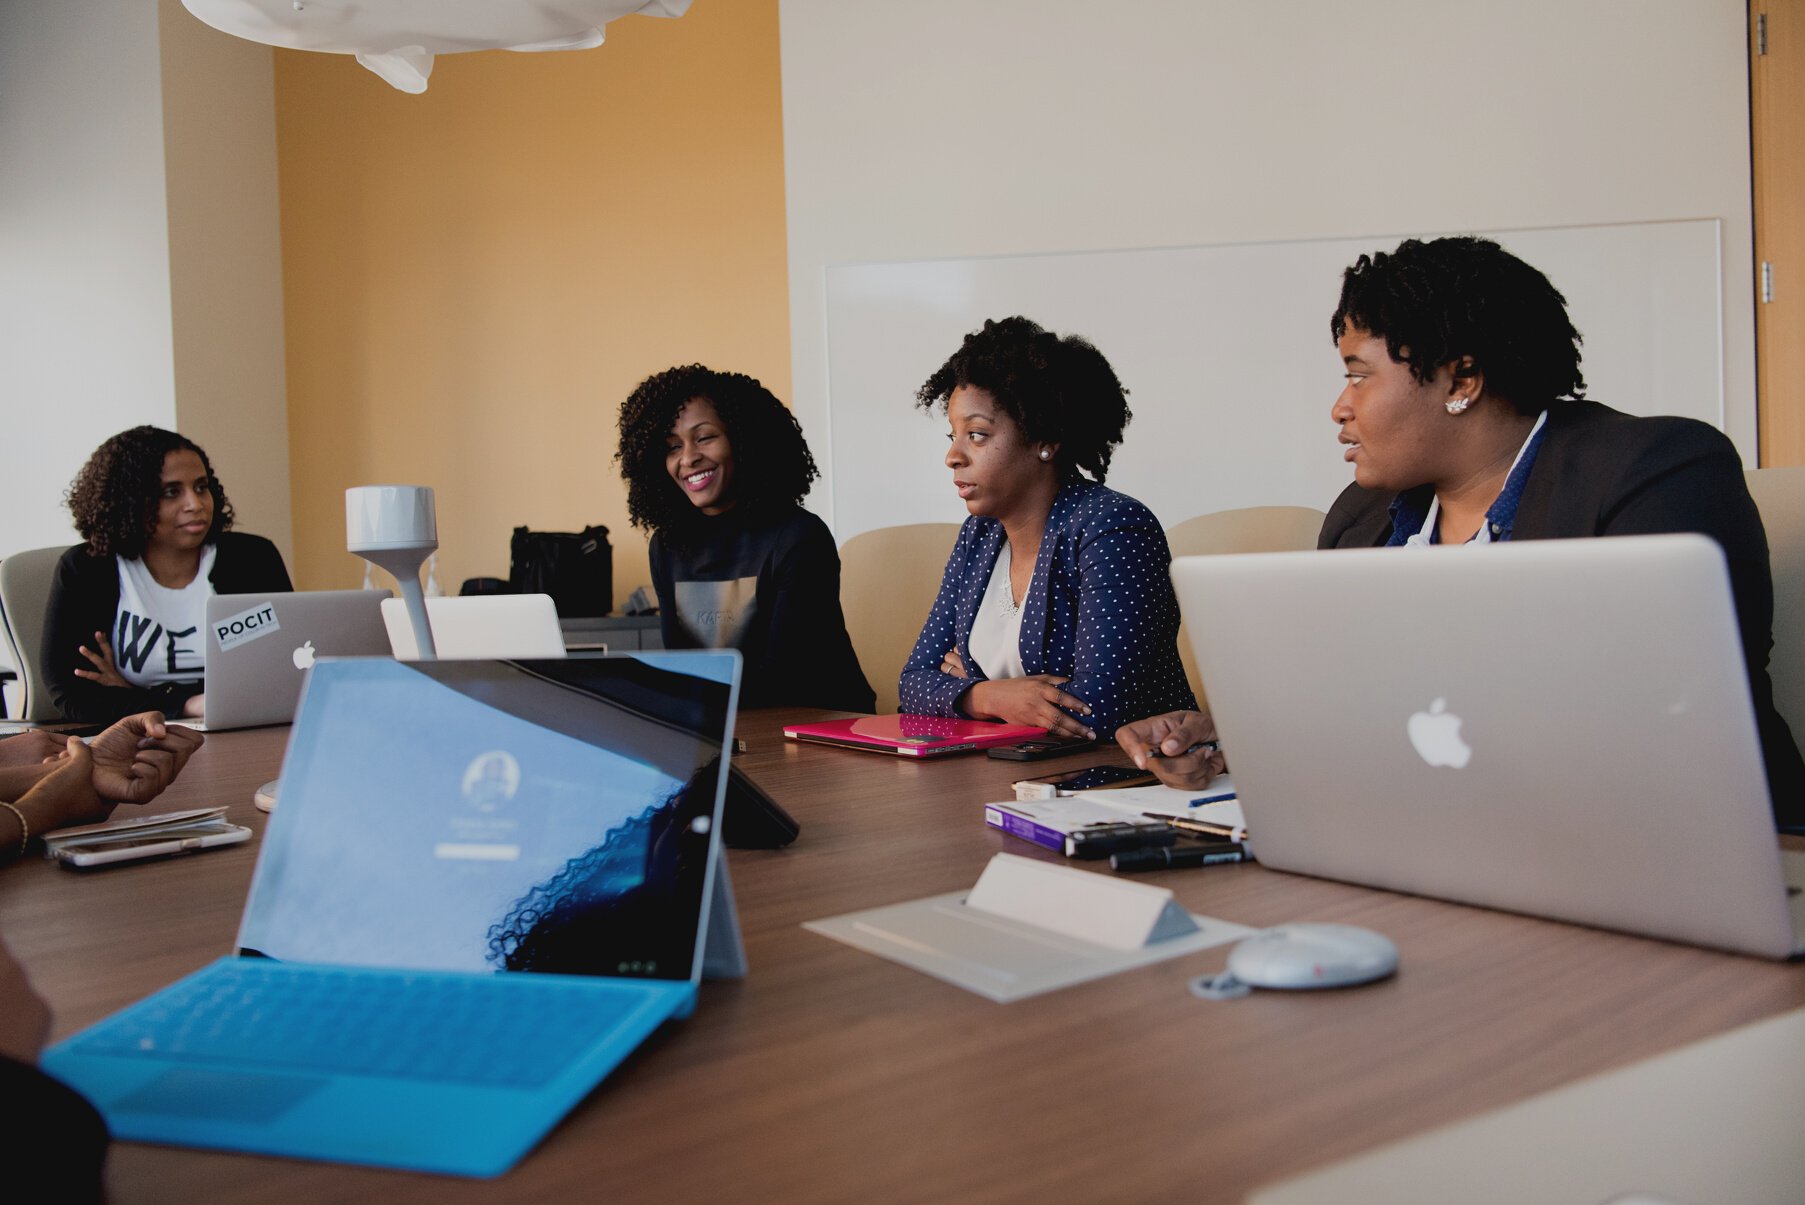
(1058, 389)
(1434, 303)
(114, 497)
(771, 461)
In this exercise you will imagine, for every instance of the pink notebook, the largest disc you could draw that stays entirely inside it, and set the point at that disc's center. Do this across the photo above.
(912, 735)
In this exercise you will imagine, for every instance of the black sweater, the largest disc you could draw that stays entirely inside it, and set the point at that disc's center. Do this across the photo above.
(793, 633)
(84, 599)
(57, 1141)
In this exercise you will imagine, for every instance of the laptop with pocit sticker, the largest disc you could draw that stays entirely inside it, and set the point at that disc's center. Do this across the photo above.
(259, 647)
(1556, 727)
(487, 884)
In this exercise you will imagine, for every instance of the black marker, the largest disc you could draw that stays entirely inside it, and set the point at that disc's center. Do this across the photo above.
(1171, 858)
(1102, 840)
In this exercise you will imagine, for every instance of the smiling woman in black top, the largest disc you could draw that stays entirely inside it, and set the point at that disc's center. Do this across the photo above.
(716, 471)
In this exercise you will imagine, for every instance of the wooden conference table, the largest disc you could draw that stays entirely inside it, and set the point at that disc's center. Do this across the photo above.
(828, 1074)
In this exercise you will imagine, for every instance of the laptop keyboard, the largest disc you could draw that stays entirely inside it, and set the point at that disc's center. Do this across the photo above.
(248, 1012)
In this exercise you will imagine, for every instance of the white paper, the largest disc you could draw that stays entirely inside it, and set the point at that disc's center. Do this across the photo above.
(1167, 801)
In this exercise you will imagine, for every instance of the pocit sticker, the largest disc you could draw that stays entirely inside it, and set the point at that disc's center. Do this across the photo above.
(246, 626)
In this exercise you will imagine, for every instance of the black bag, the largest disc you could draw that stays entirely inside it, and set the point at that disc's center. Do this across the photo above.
(576, 570)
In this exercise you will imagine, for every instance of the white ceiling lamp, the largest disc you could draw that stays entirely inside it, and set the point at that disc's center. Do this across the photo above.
(397, 39)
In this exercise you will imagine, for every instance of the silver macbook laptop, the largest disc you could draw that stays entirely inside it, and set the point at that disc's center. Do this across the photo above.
(1557, 727)
(485, 625)
(259, 648)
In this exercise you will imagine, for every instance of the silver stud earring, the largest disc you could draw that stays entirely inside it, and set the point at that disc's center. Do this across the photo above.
(1045, 454)
(1459, 405)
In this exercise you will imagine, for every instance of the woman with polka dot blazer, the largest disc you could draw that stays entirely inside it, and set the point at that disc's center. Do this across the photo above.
(1056, 608)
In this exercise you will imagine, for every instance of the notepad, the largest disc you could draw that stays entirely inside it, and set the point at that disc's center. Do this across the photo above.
(1050, 822)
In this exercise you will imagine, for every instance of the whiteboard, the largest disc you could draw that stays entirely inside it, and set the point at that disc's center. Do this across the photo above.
(1227, 357)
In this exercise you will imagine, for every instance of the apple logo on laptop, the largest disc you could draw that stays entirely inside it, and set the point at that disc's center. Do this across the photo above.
(1436, 735)
(304, 656)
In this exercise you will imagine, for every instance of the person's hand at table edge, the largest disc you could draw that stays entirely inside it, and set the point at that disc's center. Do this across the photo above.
(1179, 748)
(1035, 700)
(138, 757)
(61, 799)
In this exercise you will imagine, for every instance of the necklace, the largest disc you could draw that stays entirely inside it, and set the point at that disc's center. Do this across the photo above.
(1002, 581)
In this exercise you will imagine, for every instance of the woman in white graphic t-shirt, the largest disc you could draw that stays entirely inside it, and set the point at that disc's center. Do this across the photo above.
(123, 631)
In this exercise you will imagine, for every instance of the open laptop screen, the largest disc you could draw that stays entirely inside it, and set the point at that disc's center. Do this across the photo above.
(498, 815)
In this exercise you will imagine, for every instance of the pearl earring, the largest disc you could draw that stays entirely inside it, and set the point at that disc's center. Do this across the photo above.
(1459, 405)
(1045, 454)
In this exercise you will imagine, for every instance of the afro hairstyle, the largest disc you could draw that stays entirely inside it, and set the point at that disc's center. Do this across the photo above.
(115, 495)
(1451, 299)
(1058, 389)
(771, 460)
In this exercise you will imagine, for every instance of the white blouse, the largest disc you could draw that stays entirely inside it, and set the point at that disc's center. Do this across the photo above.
(995, 642)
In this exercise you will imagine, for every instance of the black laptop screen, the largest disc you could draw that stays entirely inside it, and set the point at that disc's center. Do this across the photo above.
(498, 816)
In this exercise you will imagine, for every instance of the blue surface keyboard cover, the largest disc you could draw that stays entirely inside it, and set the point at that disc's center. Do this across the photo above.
(466, 1029)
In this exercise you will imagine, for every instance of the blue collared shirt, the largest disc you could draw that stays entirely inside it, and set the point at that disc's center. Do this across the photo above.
(1412, 509)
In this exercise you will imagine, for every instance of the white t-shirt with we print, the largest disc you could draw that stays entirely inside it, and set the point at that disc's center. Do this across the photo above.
(157, 633)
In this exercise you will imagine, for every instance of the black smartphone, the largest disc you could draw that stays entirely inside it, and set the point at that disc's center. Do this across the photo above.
(1039, 750)
(1093, 778)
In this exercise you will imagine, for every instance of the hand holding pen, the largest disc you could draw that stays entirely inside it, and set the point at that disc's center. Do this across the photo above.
(1179, 748)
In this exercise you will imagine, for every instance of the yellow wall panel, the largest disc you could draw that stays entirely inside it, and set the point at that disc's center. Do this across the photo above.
(474, 278)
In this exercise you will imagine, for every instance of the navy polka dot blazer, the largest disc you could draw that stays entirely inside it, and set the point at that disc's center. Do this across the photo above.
(1100, 611)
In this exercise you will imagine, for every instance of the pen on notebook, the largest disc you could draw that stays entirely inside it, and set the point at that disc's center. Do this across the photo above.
(1234, 832)
(1166, 857)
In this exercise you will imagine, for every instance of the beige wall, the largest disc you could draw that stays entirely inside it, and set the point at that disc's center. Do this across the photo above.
(225, 263)
(84, 256)
(475, 277)
(1018, 127)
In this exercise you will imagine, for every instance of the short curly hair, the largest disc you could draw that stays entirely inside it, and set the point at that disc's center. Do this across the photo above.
(1436, 302)
(1058, 389)
(114, 497)
(771, 460)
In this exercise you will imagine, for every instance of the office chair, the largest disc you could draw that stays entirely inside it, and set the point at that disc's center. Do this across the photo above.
(888, 580)
(1248, 529)
(25, 579)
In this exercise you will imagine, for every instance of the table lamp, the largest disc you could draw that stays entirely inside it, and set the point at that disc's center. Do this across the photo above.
(395, 527)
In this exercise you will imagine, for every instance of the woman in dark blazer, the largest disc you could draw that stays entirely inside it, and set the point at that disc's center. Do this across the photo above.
(1465, 421)
(1056, 608)
(153, 520)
